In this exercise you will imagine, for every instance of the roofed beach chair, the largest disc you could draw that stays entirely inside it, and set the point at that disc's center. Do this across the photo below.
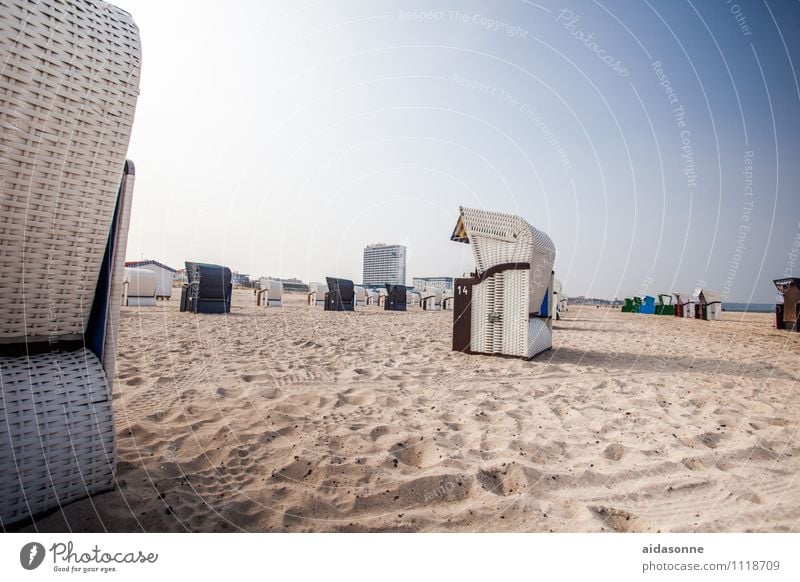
(628, 307)
(709, 304)
(787, 310)
(690, 307)
(139, 287)
(648, 306)
(431, 299)
(557, 297)
(396, 298)
(316, 294)
(361, 296)
(681, 301)
(505, 308)
(68, 90)
(341, 295)
(447, 300)
(382, 294)
(209, 289)
(270, 294)
(665, 306)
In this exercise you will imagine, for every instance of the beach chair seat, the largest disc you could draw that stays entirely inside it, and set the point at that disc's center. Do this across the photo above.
(341, 295)
(506, 307)
(396, 298)
(68, 93)
(209, 289)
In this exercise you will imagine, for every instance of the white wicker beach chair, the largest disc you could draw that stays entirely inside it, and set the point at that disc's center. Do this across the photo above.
(270, 294)
(68, 89)
(557, 298)
(447, 299)
(316, 294)
(139, 287)
(431, 299)
(361, 296)
(275, 294)
(506, 307)
(382, 294)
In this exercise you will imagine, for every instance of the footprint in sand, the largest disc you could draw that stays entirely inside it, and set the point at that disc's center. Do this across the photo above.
(616, 519)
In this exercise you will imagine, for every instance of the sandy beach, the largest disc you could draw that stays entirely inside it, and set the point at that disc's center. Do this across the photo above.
(295, 419)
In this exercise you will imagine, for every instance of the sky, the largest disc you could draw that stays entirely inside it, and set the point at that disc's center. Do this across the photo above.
(656, 142)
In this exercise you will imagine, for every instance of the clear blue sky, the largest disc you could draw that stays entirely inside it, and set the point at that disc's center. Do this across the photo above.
(655, 142)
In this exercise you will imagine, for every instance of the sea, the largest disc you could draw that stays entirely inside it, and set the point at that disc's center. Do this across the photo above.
(749, 307)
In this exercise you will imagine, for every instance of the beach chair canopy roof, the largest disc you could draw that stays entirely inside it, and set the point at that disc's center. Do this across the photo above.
(556, 287)
(786, 283)
(708, 295)
(69, 88)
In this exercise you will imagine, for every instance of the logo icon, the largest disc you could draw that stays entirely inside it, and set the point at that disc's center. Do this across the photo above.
(31, 555)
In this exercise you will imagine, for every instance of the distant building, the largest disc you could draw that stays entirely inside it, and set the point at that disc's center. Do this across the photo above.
(164, 276)
(433, 282)
(240, 280)
(384, 264)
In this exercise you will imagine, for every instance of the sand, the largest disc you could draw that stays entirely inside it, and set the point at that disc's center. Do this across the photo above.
(295, 419)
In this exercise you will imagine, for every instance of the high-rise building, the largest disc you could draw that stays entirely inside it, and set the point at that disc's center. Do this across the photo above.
(384, 264)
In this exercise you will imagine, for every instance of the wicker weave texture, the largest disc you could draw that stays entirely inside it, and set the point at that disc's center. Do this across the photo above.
(498, 238)
(540, 336)
(56, 432)
(68, 88)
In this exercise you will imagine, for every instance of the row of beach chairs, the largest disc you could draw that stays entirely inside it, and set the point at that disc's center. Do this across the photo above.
(702, 304)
